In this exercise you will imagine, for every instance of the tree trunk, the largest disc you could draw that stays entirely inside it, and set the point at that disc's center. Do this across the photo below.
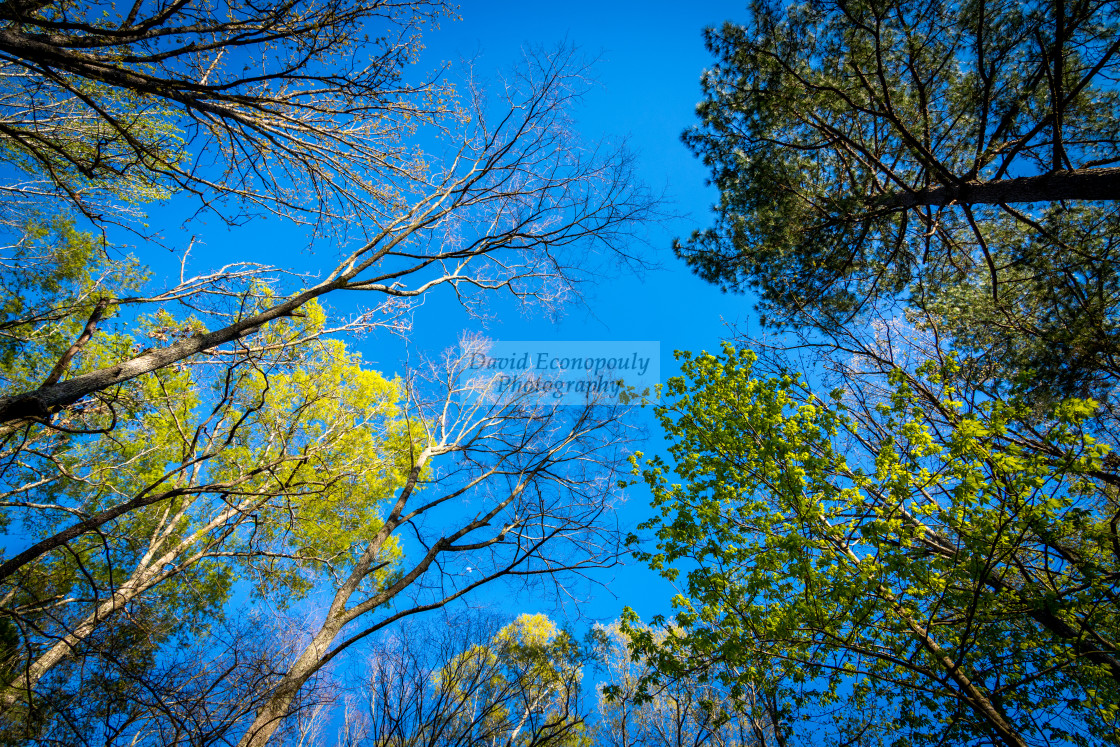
(1081, 184)
(270, 715)
(148, 573)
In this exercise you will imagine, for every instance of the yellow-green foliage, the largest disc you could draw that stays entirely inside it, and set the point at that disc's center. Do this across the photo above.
(54, 275)
(812, 536)
(296, 451)
(524, 678)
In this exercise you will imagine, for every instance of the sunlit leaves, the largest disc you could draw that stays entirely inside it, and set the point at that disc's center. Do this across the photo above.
(817, 540)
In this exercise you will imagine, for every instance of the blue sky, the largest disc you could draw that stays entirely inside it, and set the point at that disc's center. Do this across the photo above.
(650, 57)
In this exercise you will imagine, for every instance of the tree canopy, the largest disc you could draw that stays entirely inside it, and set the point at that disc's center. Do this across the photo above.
(951, 157)
(185, 460)
(897, 519)
(945, 565)
(894, 520)
(297, 109)
(472, 682)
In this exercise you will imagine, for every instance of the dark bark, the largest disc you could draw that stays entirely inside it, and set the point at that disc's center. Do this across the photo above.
(1080, 184)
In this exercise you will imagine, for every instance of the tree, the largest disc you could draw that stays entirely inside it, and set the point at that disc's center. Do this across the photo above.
(470, 682)
(923, 195)
(271, 471)
(686, 709)
(195, 692)
(518, 488)
(536, 197)
(957, 158)
(944, 558)
(299, 476)
(244, 444)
